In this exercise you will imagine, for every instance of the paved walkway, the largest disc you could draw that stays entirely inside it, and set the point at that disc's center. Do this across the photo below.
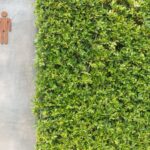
(16, 78)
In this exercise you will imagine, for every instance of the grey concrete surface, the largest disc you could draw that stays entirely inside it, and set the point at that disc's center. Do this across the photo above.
(17, 78)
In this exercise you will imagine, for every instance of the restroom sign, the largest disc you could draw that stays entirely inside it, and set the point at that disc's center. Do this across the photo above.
(5, 27)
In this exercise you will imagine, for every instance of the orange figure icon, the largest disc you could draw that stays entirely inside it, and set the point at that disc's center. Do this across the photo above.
(5, 27)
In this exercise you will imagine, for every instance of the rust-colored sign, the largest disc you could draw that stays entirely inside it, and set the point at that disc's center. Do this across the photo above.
(5, 27)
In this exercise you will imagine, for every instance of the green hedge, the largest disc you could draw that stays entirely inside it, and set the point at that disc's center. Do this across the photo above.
(93, 75)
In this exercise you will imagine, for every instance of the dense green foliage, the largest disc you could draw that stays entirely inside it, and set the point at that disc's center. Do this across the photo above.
(93, 75)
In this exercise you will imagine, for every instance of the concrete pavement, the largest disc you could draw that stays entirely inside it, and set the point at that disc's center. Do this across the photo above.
(16, 78)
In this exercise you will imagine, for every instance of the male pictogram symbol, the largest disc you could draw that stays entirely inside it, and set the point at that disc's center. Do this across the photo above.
(5, 27)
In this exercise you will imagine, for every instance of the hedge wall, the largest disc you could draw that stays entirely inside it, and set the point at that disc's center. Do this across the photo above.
(93, 75)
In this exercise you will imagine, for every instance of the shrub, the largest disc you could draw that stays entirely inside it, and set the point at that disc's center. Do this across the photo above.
(93, 75)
